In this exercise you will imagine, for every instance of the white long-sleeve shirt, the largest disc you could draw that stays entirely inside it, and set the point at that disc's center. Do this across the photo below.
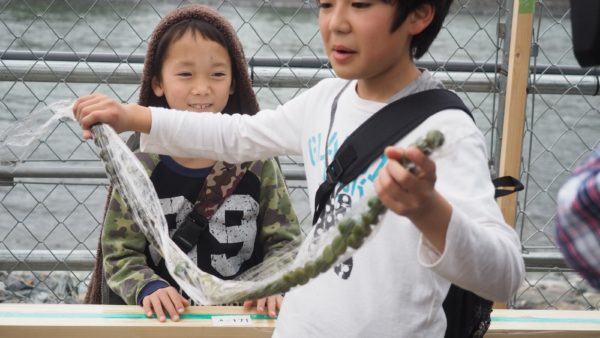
(395, 284)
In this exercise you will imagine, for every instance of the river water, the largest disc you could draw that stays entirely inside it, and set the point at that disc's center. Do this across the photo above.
(561, 128)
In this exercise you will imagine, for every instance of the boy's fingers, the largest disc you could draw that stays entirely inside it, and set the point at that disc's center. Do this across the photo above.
(395, 153)
(421, 163)
(260, 304)
(87, 135)
(82, 103)
(147, 307)
(272, 306)
(176, 299)
(396, 174)
(158, 309)
(93, 115)
(167, 304)
(248, 304)
(417, 156)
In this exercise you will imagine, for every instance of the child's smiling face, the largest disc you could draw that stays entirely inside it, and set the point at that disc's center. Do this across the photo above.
(196, 75)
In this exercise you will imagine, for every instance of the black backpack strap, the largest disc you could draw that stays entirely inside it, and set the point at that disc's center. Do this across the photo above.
(210, 198)
(384, 128)
(506, 185)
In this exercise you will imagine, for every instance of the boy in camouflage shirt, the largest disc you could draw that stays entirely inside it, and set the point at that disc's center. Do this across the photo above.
(195, 62)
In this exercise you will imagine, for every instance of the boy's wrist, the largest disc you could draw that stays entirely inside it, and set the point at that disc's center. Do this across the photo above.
(139, 118)
(150, 288)
(433, 220)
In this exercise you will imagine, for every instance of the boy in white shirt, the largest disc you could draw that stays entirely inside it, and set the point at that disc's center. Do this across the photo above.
(443, 226)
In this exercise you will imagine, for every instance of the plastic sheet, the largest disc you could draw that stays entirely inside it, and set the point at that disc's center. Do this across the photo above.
(18, 140)
(290, 266)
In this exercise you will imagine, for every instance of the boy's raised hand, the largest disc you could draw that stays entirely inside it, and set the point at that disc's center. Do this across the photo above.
(411, 193)
(97, 108)
(272, 303)
(402, 191)
(165, 299)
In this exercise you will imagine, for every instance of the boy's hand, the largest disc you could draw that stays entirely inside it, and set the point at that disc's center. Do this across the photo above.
(165, 299)
(273, 304)
(411, 193)
(402, 191)
(97, 108)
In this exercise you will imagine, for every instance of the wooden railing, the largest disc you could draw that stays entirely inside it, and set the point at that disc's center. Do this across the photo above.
(115, 321)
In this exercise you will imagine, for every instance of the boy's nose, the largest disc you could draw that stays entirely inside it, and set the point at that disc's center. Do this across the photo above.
(200, 89)
(338, 20)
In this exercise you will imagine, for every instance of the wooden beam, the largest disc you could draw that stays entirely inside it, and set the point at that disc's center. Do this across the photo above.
(124, 321)
(516, 100)
(120, 321)
(544, 323)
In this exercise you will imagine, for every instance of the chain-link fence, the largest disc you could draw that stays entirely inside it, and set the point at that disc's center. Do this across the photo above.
(560, 129)
(52, 194)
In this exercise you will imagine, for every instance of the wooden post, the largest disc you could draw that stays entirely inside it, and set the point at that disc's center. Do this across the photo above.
(516, 100)
(515, 104)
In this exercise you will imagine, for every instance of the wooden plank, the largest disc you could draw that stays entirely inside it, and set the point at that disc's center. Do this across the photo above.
(544, 323)
(516, 99)
(123, 321)
(116, 321)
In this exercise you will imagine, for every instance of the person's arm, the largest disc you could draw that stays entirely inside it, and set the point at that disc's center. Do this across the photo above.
(279, 225)
(578, 220)
(279, 221)
(480, 252)
(222, 137)
(98, 108)
(232, 138)
(126, 270)
(123, 246)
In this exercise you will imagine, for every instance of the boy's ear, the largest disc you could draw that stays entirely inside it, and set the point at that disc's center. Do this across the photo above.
(420, 18)
(157, 87)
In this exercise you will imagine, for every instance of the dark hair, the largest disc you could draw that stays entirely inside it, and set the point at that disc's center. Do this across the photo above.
(195, 26)
(420, 43)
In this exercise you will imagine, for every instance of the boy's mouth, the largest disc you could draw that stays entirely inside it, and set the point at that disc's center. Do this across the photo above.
(200, 106)
(341, 53)
(342, 50)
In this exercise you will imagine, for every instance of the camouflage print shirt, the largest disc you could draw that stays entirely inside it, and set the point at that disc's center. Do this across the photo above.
(254, 220)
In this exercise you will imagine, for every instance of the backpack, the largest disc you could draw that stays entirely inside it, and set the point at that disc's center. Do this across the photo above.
(467, 314)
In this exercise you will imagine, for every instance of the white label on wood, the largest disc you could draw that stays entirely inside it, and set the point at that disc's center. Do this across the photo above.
(231, 320)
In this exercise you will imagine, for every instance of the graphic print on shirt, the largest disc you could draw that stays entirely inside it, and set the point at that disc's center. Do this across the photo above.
(180, 207)
(338, 205)
(315, 154)
(234, 222)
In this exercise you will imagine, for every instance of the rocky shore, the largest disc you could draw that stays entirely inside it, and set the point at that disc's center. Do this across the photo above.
(55, 287)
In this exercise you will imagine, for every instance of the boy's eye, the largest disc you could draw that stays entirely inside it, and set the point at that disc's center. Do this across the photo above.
(361, 4)
(184, 74)
(219, 74)
(324, 5)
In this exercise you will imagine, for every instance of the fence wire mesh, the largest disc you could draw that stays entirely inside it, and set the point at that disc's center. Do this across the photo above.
(560, 129)
(53, 50)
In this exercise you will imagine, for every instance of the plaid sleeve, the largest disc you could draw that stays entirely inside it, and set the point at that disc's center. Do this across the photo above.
(578, 220)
